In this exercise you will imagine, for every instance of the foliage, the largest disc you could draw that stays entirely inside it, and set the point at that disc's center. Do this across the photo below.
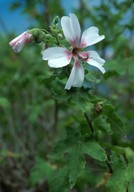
(77, 140)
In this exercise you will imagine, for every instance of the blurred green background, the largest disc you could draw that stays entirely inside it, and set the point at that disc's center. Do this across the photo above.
(31, 118)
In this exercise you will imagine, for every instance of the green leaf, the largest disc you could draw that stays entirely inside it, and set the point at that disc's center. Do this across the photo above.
(131, 187)
(41, 171)
(110, 74)
(76, 164)
(71, 151)
(80, 100)
(123, 176)
(114, 120)
(58, 180)
(118, 181)
(58, 150)
(118, 66)
(91, 77)
(116, 123)
(94, 150)
(101, 123)
(4, 102)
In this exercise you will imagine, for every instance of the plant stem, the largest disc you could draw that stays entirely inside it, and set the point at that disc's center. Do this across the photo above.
(89, 123)
(92, 131)
(109, 166)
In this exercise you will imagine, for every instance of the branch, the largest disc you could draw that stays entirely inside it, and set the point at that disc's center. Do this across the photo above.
(89, 123)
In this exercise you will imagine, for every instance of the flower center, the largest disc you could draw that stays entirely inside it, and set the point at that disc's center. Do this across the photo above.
(75, 51)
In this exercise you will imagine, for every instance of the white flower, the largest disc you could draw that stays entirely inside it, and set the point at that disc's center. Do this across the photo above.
(60, 57)
(18, 43)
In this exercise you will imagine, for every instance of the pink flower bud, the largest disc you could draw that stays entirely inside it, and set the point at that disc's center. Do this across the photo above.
(18, 43)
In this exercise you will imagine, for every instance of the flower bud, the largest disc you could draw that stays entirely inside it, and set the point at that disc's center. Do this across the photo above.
(99, 107)
(54, 29)
(23, 39)
(37, 34)
(48, 36)
(56, 20)
(49, 39)
(60, 36)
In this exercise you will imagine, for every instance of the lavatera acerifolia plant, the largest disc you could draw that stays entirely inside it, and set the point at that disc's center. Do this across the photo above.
(60, 56)
(94, 118)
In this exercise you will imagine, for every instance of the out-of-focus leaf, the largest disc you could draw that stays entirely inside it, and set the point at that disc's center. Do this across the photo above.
(42, 170)
(58, 180)
(4, 102)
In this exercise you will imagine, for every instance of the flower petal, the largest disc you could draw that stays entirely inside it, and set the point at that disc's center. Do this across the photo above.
(76, 77)
(17, 46)
(18, 43)
(71, 29)
(90, 37)
(57, 56)
(95, 60)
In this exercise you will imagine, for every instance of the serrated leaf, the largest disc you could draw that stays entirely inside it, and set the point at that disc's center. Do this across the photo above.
(80, 101)
(114, 120)
(94, 150)
(116, 123)
(58, 151)
(122, 178)
(130, 168)
(118, 181)
(72, 151)
(76, 164)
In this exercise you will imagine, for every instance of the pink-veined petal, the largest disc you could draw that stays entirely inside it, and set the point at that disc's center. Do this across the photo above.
(57, 56)
(23, 39)
(91, 37)
(95, 60)
(76, 77)
(18, 46)
(71, 29)
(83, 55)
